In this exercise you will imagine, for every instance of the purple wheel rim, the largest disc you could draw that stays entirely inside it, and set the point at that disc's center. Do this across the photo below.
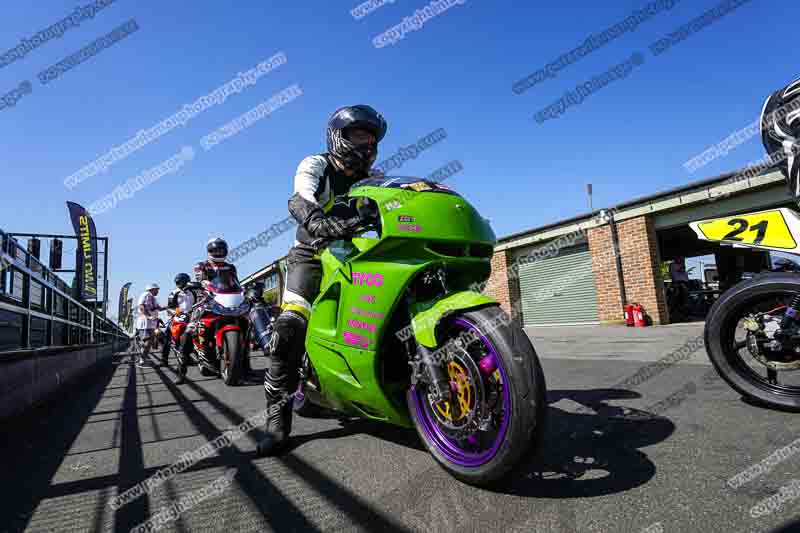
(447, 446)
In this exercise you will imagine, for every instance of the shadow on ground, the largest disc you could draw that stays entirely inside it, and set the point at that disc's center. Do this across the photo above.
(585, 454)
(593, 453)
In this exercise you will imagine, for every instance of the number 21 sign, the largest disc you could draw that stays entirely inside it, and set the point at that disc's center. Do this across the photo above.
(777, 229)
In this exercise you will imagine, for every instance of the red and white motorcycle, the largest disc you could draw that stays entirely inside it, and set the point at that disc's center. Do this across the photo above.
(221, 330)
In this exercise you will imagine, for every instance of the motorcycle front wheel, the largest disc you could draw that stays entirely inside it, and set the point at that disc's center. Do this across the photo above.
(499, 385)
(231, 364)
(768, 381)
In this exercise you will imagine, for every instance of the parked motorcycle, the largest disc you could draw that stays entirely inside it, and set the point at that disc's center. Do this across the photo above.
(220, 344)
(401, 334)
(751, 333)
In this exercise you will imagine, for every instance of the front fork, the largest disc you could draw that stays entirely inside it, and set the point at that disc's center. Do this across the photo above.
(784, 333)
(434, 373)
(790, 316)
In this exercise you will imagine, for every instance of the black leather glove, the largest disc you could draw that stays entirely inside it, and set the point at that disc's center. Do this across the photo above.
(320, 225)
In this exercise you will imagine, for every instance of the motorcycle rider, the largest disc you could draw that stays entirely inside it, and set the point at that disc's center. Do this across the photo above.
(215, 264)
(780, 132)
(353, 134)
(214, 269)
(181, 301)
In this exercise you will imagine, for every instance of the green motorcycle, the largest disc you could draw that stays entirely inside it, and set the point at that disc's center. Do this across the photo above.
(400, 333)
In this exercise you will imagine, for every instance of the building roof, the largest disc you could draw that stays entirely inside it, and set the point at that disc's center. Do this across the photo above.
(699, 184)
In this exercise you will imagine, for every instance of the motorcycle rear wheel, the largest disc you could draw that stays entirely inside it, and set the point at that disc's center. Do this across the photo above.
(519, 414)
(720, 341)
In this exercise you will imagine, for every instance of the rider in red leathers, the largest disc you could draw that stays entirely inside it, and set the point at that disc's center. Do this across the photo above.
(215, 265)
(217, 270)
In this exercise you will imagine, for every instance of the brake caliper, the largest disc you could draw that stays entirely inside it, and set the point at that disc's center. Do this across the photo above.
(769, 344)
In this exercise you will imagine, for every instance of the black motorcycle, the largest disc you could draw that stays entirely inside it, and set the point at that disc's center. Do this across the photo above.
(752, 333)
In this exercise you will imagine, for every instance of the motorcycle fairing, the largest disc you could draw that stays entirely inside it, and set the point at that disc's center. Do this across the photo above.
(229, 300)
(427, 316)
(774, 229)
(362, 289)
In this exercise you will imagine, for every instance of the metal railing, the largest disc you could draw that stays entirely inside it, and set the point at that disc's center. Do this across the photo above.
(37, 309)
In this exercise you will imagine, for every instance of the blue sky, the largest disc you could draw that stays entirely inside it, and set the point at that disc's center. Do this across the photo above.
(629, 139)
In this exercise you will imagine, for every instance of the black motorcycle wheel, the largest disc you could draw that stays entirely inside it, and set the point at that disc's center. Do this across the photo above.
(231, 364)
(725, 352)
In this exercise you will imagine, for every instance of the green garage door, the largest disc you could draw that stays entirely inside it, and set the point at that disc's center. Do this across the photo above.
(559, 290)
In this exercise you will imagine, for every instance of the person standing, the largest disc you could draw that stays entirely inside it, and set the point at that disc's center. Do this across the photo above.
(147, 320)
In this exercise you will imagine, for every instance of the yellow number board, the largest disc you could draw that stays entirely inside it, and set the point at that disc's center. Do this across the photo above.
(768, 228)
(420, 186)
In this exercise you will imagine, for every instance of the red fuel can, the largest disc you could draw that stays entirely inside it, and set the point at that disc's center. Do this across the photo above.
(638, 316)
(628, 310)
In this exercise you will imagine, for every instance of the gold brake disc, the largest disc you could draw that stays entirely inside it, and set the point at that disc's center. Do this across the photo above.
(465, 396)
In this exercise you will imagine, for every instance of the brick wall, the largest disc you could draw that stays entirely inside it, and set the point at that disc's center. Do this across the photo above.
(641, 262)
(640, 269)
(604, 268)
(501, 286)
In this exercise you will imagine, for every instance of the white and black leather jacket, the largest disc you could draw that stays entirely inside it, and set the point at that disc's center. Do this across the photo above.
(321, 218)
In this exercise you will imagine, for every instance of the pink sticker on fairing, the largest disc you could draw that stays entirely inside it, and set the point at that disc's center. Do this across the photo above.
(357, 340)
(416, 228)
(368, 278)
(371, 314)
(358, 324)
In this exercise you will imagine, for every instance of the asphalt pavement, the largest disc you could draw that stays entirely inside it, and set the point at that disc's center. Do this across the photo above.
(654, 453)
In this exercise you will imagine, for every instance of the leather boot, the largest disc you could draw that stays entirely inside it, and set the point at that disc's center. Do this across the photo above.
(280, 379)
(183, 357)
(278, 428)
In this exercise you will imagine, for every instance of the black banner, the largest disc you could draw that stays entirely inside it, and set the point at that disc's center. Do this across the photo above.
(87, 251)
(123, 300)
(129, 314)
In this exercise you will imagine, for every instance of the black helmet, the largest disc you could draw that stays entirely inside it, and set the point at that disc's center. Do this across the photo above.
(182, 279)
(780, 130)
(352, 156)
(217, 250)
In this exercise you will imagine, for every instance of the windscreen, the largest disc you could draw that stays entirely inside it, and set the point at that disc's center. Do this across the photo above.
(405, 182)
(224, 281)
